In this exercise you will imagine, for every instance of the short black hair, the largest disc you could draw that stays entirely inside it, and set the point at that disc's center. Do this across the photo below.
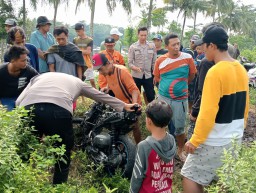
(142, 29)
(159, 112)
(220, 47)
(15, 52)
(16, 32)
(59, 30)
(169, 36)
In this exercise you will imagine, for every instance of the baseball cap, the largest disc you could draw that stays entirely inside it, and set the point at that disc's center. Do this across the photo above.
(98, 60)
(109, 40)
(42, 20)
(115, 31)
(79, 26)
(11, 22)
(157, 36)
(214, 34)
(194, 38)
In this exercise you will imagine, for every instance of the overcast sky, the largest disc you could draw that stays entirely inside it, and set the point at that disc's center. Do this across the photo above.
(119, 17)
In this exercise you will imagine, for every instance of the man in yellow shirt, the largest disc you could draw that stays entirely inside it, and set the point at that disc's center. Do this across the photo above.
(222, 116)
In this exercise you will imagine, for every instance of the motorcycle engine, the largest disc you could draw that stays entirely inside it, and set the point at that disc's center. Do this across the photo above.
(102, 141)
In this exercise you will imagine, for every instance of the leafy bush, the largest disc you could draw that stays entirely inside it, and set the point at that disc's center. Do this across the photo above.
(121, 184)
(238, 172)
(243, 41)
(27, 169)
(249, 54)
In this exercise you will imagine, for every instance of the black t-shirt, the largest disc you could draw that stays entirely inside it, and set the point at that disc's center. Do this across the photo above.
(203, 68)
(161, 52)
(11, 86)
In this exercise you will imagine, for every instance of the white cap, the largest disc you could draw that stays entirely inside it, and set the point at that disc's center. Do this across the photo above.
(115, 31)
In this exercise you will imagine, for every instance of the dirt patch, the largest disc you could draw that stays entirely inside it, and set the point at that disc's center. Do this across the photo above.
(250, 131)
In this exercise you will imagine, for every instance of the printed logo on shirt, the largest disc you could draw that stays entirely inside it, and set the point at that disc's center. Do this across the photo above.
(161, 173)
(22, 82)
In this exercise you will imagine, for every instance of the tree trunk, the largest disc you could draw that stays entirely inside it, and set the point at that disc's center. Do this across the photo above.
(24, 15)
(213, 14)
(183, 26)
(56, 4)
(149, 16)
(195, 15)
(93, 2)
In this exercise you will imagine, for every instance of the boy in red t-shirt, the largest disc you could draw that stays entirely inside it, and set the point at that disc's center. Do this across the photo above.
(153, 167)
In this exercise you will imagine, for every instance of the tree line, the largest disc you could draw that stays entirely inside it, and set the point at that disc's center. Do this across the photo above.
(239, 19)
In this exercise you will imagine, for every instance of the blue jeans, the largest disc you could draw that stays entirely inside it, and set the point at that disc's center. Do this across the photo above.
(9, 103)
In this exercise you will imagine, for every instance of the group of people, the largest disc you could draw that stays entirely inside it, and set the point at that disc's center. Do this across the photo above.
(48, 74)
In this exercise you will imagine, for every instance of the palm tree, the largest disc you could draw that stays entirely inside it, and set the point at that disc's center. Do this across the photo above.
(56, 4)
(159, 17)
(219, 7)
(198, 6)
(240, 19)
(111, 5)
(150, 15)
(188, 8)
(185, 8)
(24, 11)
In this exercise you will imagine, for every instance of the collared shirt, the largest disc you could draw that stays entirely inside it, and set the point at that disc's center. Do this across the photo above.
(43, 43)
(144, 57)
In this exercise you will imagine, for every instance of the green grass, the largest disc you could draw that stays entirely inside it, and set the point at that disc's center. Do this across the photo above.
(252, 97)
(83, 172)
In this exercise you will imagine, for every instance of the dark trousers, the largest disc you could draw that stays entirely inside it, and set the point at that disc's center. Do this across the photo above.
(148, 87)
(50, 119)
(171, 129)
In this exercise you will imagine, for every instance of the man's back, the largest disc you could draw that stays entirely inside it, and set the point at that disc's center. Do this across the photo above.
(153, 167)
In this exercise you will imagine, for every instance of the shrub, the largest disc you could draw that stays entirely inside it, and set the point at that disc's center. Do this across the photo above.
(249, 54)
(238, 172)
(25, 163)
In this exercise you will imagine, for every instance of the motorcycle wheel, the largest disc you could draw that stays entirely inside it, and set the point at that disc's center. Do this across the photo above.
(79, 133)
(126, 146)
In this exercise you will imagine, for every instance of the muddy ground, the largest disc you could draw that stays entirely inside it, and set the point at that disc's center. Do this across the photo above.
(250, 131)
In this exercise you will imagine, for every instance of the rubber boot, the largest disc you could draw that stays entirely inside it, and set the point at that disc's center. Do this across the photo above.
(60, 176)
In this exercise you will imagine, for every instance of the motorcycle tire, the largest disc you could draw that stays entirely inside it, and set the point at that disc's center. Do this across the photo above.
(125, 145)
(79, 133)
